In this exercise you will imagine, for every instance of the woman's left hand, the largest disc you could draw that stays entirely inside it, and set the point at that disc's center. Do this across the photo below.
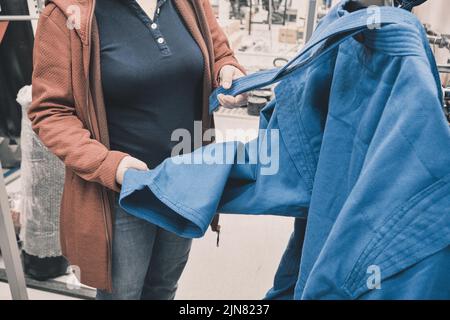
(227, 75)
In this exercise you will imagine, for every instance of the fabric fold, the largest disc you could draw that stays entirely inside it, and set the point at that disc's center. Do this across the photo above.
(358, 145)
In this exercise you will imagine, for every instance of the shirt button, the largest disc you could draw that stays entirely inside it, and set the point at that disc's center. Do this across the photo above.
(153, 26)
(160, 40)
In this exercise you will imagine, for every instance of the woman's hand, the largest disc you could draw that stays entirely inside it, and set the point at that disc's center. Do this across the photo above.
(129, 163)
(227, 75)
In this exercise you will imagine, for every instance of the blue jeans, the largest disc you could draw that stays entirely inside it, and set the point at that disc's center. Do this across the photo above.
(147, 261)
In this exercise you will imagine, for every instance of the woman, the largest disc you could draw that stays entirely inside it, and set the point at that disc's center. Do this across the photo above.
(112, 79)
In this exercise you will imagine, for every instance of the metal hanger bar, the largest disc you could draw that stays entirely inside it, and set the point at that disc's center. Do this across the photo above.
(311, 19)
(440, 41)
(444, 69)
(368, 3)
(18, 18)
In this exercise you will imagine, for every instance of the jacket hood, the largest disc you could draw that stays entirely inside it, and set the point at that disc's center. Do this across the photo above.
(78, 13)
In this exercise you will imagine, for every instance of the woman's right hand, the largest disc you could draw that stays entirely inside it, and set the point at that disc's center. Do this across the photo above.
(129, 163)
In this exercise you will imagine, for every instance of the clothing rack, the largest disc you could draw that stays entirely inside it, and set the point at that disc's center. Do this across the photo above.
(250, 22)
(34, 9)
(9, 247)
(18, 18)
(311, 19)
(447, 103)
(8, 242)
(444, 69)
(440, 41)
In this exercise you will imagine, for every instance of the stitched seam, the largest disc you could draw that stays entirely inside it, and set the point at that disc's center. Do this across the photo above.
(416, 248)
(178, 205)
(420, 245)
(417, 154)
(389, 223)
(356, 289)
(304, 152)
(49, 18)
(163, 198)
(43, 13)
(303, 170)
(309, 156)
(298, 170)
(381, 244)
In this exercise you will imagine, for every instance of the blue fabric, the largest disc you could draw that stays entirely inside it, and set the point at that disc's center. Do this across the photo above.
(289, 269)
(139, 75)
(364, 153)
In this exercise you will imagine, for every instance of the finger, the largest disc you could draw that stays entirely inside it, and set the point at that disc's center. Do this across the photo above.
(241, 99)
(145, 167)
(226, 77)
(231, 101)
(237, 74)
(228, 101)
(140, 165)
(220, 98)
(224, 101)
(119, 177)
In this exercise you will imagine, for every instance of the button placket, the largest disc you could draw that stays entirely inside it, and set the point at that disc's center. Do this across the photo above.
(159, 38)
(153, 26)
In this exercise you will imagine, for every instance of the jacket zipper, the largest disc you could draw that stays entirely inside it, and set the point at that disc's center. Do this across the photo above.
(90, 127)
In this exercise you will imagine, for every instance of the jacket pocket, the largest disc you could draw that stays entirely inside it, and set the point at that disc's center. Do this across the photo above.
(414, 231)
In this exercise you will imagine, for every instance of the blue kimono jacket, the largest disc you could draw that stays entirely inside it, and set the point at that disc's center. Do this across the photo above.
(355, 146)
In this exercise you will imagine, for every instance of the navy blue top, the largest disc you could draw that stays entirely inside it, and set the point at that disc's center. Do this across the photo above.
(152, 76)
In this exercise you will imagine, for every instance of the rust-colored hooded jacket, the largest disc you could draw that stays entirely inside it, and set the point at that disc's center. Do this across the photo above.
(68, 114)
